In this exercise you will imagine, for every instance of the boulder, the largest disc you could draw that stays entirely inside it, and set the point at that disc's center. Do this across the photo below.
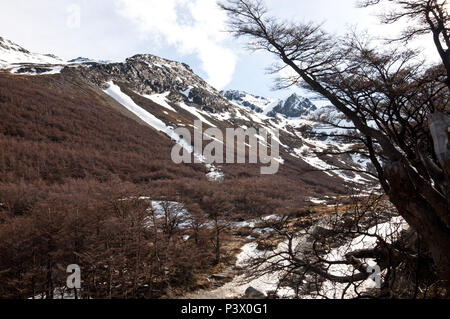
(252, 293)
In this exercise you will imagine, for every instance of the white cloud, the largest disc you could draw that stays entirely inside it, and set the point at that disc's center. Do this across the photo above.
(193, 27)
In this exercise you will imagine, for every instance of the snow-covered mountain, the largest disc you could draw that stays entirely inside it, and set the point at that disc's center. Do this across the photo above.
(294, 106)
(166, 94)
(21, 61)
(12, 54)
(255, 103)
(87, 60)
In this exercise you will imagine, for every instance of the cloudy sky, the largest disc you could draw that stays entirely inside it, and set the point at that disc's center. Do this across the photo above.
(191, 31)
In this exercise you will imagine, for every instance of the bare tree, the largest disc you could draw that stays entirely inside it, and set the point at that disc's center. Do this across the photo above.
(387, 94)
(196, 220)
(335, 256)
(424, 17)
(173, 215)
(218, 209)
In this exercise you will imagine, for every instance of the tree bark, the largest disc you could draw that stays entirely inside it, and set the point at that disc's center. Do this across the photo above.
(418, 211)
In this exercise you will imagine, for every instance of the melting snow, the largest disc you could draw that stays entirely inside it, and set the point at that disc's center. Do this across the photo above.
(51, 70)
(388, 231)
(161, 99)
(176, 209)
(270, 279)
(187, 92)
(196, 113)
(115, 92)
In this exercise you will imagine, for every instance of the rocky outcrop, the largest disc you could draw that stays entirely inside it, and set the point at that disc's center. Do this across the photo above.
(147, 74)
(294, 106)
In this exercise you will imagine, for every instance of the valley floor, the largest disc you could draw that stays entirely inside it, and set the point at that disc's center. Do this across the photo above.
(268, 283)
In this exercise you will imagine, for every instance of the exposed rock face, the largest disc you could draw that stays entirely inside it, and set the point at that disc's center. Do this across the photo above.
(87, 60)
(147, 74)
(8, 45)
(294, 106)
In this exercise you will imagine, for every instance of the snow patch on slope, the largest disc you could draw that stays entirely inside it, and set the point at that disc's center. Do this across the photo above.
(161, 99)
(196, 113)
(116, 93)
(35, 71)
(251, 102)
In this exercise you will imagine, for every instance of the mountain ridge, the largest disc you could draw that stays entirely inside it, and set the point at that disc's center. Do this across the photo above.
(175, 95)
(12, 53)
(294, 106)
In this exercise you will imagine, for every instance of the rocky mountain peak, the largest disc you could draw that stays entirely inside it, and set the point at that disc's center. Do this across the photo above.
(12, 54)
(147, 74)
(156, 61)
(11, 46)
(294, 106)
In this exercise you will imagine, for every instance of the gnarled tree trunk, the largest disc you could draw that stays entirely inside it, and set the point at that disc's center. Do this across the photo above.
(431, 223)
